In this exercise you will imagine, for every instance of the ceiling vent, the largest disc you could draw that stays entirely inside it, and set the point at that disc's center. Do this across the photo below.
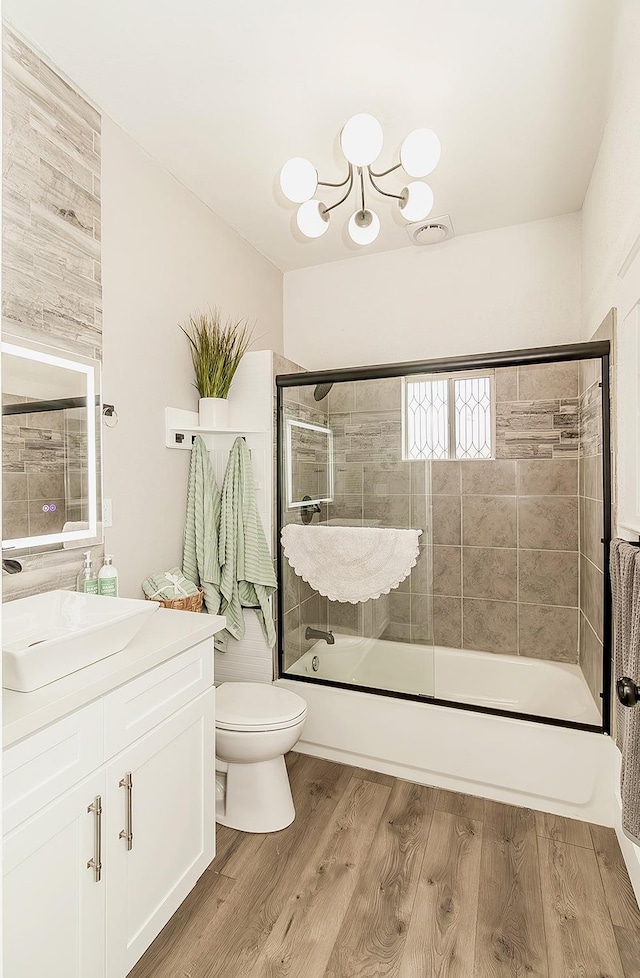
(431, 231)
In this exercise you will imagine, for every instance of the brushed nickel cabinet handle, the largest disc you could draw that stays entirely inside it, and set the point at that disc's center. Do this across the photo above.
(127, 831)
(96, 862)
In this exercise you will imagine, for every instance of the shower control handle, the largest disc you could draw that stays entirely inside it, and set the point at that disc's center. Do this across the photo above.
(628, 691)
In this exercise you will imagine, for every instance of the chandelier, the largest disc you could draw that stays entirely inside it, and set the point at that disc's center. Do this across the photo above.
(361, 143)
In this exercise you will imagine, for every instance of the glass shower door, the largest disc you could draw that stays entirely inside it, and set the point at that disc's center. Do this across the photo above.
(344, 470)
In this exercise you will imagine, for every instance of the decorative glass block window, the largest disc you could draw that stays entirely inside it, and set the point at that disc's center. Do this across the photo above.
(449, 416)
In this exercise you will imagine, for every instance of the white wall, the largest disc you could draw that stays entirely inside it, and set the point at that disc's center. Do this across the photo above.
(164, 254)
(496, 290)
(611, 211)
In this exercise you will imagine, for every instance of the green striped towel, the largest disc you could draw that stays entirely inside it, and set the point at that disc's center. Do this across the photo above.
(200, 562)
(248, 578)
(168, 586)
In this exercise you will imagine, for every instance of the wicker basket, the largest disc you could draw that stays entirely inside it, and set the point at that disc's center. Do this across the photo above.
(191, 603)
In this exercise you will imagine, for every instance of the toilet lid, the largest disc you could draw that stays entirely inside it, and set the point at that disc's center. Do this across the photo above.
(250, 706)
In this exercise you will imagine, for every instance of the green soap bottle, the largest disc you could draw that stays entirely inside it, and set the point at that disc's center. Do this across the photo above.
(108, 578)
(86, 581)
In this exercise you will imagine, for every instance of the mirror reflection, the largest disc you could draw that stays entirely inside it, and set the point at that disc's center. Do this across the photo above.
(50, 432)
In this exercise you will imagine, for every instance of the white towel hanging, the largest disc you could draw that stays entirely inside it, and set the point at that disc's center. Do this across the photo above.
(351, 563)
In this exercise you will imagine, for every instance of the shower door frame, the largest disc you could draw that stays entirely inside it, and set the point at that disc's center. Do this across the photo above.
(596, 350)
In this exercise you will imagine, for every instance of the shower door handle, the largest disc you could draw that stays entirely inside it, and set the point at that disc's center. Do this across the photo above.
(628, 691)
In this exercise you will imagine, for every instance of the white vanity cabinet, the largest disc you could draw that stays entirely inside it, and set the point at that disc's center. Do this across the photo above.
(54, 912)
(94, 869)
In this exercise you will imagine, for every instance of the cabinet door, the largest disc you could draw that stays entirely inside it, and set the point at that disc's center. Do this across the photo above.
(54, 905)
(160, 828)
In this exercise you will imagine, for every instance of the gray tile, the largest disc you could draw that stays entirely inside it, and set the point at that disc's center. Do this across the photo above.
(591, 529)
(395, 632)
(547, 477)
(384, 394)
(420, 477)
(548, 522)
(50, 483)
(548, 633)
(447, 571)
(15, 519)
(446, 520)
(389, 510)
(348, 478)
(489, 521)
(591, 476)
(445, 478)
(422, 621)
(421, 516)
(548, 577)
(345, 508)
(490, 626)
(43, 520)
(290, 586)
(400, 607)
(495, 477)
(588, 374)
(489, 573)
(547, 380)
(291, 630)
(447, 622)
(591, 660)
(342, 398)
(421, 579)
(506, 384)
(387, 478)
(343, 617)
(14, 486)
(591, 594)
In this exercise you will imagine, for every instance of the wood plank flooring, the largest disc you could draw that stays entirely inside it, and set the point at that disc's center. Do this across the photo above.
(382, 877)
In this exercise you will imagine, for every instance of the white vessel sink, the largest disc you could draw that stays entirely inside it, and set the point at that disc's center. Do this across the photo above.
(47, 636)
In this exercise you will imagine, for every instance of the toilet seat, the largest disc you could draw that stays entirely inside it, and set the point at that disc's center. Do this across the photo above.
(253, 707)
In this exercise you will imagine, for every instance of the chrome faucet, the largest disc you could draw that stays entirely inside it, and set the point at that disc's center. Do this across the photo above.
(317, 633)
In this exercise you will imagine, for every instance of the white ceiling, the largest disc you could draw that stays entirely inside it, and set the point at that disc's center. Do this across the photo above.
(223, 93)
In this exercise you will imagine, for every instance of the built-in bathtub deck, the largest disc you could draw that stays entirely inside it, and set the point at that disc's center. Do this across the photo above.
(379, 876)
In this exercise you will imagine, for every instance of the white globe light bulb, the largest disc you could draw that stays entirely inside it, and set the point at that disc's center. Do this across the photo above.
(364, 227)
(419, 201)
(298, 179)
(361, 139)
(420, 152)
(312, 219)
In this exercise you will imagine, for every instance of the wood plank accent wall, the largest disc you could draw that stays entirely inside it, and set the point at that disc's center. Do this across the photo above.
(51, 265)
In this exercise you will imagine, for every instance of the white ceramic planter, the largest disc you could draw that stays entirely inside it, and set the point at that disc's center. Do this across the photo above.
(213, 412)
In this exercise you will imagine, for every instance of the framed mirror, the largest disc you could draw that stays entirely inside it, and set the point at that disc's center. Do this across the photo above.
(51, 472)
(309, 463)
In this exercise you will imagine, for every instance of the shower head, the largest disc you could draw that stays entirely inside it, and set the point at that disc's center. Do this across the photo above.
(321, 391)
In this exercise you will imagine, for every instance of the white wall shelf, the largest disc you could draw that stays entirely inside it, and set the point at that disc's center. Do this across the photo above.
(182, 427)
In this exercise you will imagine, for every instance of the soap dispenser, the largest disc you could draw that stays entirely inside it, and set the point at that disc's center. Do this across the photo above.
(108, 578)
(86, 581)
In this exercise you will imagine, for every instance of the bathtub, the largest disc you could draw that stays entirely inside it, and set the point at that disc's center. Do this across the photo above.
(500, 682)
(522, 762)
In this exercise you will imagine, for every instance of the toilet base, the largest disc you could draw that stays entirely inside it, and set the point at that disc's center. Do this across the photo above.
(257, 797)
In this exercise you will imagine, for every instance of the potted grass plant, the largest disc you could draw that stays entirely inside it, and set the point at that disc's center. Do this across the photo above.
(216, 348)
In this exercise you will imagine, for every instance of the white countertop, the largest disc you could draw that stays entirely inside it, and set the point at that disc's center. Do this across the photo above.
(167, 633)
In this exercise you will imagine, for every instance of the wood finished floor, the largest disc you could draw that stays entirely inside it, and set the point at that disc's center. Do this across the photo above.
(381, 877)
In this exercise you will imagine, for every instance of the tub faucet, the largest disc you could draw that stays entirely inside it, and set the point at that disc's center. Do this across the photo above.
(318, 633)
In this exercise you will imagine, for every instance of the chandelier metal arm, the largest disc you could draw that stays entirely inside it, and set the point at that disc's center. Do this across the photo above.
(324, 183)
(380, 190)
(349, 189)
(385, 172)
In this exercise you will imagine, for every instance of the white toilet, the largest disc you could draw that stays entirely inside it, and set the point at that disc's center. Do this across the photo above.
(256, 724)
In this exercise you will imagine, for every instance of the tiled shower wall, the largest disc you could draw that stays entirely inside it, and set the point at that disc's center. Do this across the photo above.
(505, 531)
(51, 238)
